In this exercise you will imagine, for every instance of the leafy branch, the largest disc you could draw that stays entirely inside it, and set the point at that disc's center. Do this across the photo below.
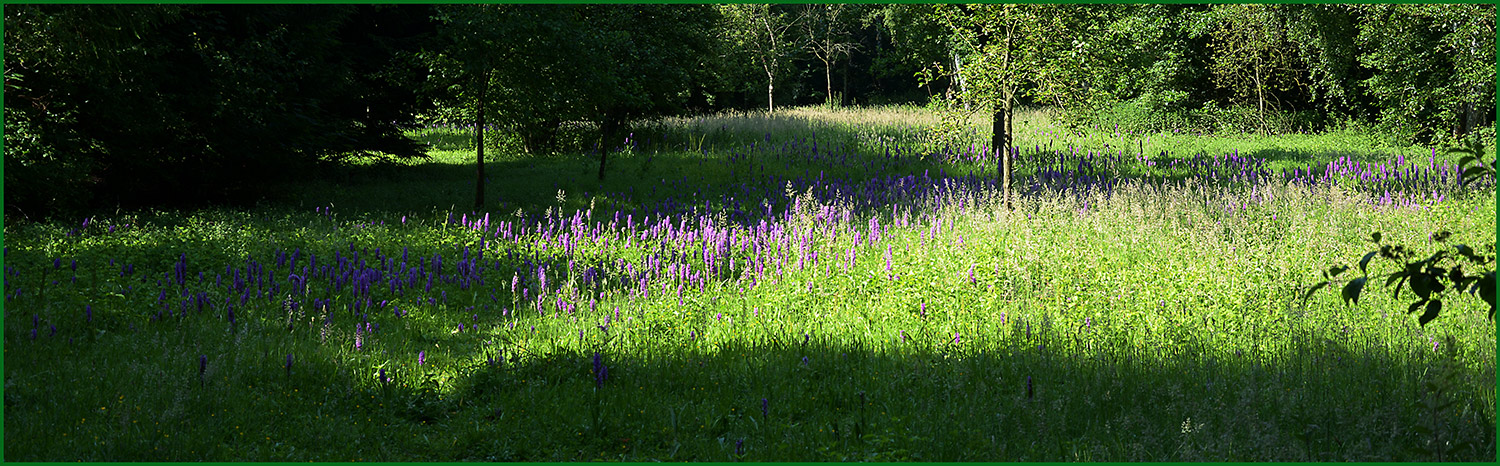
(1428, 278)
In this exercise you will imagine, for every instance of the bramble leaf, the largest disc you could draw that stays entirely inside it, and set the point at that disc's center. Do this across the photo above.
(1415, 306)
(1314, 289)
(1487, 290)
(1365, 261)
(1433, 307)
(1352, 289)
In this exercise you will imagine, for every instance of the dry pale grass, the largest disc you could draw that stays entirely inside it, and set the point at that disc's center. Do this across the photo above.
(901, 121)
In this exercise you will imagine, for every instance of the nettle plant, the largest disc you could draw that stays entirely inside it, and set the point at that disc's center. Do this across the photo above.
(1430, 278)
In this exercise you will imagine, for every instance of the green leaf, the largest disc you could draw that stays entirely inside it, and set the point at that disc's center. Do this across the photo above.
(1364, 261)
(1457, 277)
(1415, 306)
(1422, 284)
(1487, 290)
(1433, 307)
(1314, 289)
(1473, 173)
(1467, 252)
(1436, 256)
(1352, 289)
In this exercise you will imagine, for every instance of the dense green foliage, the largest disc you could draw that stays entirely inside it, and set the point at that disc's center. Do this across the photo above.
(668, 232)
(145, 105)
(882, 307)
(136, 105)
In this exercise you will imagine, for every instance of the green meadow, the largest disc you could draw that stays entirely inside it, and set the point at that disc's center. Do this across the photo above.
(812, 284)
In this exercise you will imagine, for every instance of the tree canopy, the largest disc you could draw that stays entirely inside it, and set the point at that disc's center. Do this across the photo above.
(133, 105)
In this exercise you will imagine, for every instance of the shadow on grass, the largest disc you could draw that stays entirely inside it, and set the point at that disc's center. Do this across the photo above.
(497, 394)
(1007, 396)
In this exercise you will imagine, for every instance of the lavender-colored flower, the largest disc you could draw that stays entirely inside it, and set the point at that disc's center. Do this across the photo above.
(88, 313)
(202, 364)
(955, 338)
(804, 361)
(765, 408)
(421, 357)
(1029, 391)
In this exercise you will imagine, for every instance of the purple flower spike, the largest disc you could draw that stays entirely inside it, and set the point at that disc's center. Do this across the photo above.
(421, 357)
(765, 408)
(289, 365)
(202, 364)
(382, 376)
(88, 313)
(601, 372)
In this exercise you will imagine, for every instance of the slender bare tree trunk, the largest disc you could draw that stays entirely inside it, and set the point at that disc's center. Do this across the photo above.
(608, 130)
(1001, 127)
(1260, 97)
(828, 78)
(844, 99)
(484, 84)
(770, 92)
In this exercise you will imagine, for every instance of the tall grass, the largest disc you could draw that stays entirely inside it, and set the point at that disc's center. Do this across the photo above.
(805, 295)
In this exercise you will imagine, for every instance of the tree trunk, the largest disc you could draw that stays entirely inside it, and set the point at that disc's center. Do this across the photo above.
(484, 85)
(770, 92)
(1001, 126)
(1260, 97)
(608, 130)
(828, 78)
(844, 99)
(1000, 143)
(959, 77)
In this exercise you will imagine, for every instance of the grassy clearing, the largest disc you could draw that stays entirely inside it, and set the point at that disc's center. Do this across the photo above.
(756, 298)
